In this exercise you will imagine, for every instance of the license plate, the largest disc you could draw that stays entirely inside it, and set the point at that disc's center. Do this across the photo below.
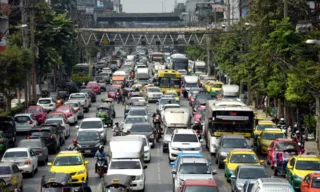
(87, 151)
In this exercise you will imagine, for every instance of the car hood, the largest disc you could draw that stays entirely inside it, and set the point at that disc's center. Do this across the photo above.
(141, 133)
(67, 169)
(185, 144)
(233, 166)
(88, 143)
(133, 172)
(196, 177)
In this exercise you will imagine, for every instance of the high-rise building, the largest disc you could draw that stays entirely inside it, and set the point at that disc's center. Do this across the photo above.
(4, 23)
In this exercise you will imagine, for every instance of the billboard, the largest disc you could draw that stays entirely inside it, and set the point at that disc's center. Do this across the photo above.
(100, 4)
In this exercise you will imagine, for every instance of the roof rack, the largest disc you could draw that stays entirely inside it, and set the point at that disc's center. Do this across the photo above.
(69, 152)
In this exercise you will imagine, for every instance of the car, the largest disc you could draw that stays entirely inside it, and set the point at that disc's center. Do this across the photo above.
(111, 93)
(153, 93)
(49, 136)
(191, 169)
(38, 146)
(163, 101)
(25, 122)
(244, 173)
(202, 97)
(71, 162)
(271, 184)
(192, 95)
(89, 142)
(91, 94)
(184, 140)
(70, 113)
(300, 166)
(138, 111)
(238, 157)
(133, 100)
(228, 143)
(143, 129)
(83, 98)
(94, 86)
(11, 173)
(182, 155)
(38, 112)
(281, 145)
(168, 106)
(76, 107)
(93, 124)
(266, 137)
(146, 146)
(199, 185)
(47, 104)
(25, 158)
(199, 113)
(58, 129)
(56, 114)
(130, 120)
(262, 124)
(63, 123)
(8, 128)
(310, 183)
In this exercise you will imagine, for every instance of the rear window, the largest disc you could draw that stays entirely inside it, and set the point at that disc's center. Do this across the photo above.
(44, 101)
(63, 110)
(72, 104)
(5, 127)
(91, 124)
(14, 154)
(30, 143)
(45, 133)
(77, 96)
(55, 115)
(5, 170)
(22, 119)
(54, 121)
(34, 110)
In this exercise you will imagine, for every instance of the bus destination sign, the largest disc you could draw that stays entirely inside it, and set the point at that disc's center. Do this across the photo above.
(232, 117)
(170, 75)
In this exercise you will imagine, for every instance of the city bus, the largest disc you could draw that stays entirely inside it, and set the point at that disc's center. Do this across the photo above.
(82, 73)
(227, 117)
(157, 58)
(179, 61)
(169, 80)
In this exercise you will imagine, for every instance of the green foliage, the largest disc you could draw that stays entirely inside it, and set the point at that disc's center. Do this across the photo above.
(14, 111)
(195, 52)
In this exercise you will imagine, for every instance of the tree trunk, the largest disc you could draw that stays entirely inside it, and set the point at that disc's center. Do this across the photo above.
(8, 104)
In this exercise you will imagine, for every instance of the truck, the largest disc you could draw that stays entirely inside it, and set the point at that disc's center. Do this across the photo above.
(199, 67)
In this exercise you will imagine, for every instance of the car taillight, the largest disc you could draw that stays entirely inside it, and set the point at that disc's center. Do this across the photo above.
(30, 122)
(51, 137)
(9, 179)
(39, 150)
(27, 162)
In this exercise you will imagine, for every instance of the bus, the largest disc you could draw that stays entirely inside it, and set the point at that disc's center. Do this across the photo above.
(157, 58)
(227, 116)
(169, 80)
(179, 61)
(82, 73)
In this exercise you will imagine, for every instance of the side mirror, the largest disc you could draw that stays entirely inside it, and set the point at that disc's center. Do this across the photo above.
(157, 103)
(105, 126)
(173, 172)
(261, 161)
(214, 172)
(77, 127)
(201, 140)
(145, 166)
(86, 162)
(49, 164)
(233, 177)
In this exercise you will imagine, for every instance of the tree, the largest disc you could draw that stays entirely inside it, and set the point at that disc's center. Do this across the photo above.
(195, 52)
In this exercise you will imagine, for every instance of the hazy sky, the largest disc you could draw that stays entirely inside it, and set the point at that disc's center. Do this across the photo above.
(148, 6)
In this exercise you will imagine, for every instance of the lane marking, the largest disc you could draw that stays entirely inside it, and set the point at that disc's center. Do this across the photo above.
(158, 164)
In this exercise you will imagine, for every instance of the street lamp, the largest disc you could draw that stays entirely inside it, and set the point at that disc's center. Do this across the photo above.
(249, 24)
(312, 41)
(21, 26)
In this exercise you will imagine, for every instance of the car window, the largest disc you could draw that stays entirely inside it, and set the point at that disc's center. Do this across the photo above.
(252, 173)
(22, 119)
(234, 143)
(194, 168)
(29, 143)
(243, 158)
(262, 127)
(44, 101)
(125, 165)
(80, 96)
(185, 138)
(135, 120)
(308, 165)
(272, 136)
(88, 136)
(154, 89)
(5, 170)
(42, 133)
(54, 121)
(141, 128)
(67, 161)
(15, 154)
(315, 182)
(33, 110)
(91, 124)
(138, 112)
(201, 189)
(63, 110)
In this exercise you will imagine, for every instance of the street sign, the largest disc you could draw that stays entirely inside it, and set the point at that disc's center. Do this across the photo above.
(218, 8)
(105, 42)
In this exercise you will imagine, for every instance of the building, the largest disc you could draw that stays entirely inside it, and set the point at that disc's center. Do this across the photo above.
(180, 8)
(4, 23)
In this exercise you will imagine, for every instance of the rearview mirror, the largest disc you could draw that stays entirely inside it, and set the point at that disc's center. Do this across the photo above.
(77, 127)
(49, 164)
(145, 166)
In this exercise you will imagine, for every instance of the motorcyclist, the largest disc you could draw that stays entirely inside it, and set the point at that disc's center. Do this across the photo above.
(85, 187)
(116, 127)
(74, 146)
(83, 86)
(101, 154)
(281, 122)
(119, 94)
(198, 128)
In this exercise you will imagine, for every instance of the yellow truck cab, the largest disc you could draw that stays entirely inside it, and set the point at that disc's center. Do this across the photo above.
(266, 137)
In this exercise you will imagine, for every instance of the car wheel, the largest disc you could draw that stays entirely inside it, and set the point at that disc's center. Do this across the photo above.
(32, 173)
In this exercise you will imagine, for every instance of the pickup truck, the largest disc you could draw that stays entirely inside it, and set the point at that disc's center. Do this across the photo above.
(82, 98)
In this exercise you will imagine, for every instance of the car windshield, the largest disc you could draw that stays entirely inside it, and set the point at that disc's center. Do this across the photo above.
(63, 110)
(22, 119)
(91, 124)
(172, 94)
(166, 101)
(315, 182)
(234, 143)
(33, 110)
(194, 168)
(5, 170)
(272, 136)
(55, 115)
(203, 96)
(154, 89)
(29, 143)
(192, 138)
(277, 187)
(201, 189)
(191, 85)
(252, 173)
(170, 107)
(15, 154)
(133, 120)
(42, 133)
(67, 160)
(138, 112)
(44, 101)
(308, 165)
(54, 121)
(72, 104)
(80, 96)
(88, 136)
(288, 146)
(262, 127)
(217, 86)
(125, 165)
(141, 128)
(244, 158)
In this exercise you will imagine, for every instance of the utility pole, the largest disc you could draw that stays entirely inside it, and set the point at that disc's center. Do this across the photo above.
(285, 8)
(27, 95)
(228, 16)
(33, 59)
(242, 43)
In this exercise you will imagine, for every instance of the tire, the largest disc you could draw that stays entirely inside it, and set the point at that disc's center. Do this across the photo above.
(32, 173)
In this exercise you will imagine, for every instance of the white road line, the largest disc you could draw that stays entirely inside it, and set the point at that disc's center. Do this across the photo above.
(158, 164)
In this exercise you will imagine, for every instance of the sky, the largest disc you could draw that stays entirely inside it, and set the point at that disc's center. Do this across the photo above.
(148, 6)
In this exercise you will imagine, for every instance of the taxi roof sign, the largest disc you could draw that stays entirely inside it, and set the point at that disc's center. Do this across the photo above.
(115, 181)
(69, 152)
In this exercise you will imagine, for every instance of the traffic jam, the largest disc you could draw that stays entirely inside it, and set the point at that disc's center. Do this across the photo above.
(110, 120)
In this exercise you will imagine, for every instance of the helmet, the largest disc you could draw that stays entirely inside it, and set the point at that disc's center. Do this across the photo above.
(101, 148)
(116, 123)
(281, 119)
(74, 141)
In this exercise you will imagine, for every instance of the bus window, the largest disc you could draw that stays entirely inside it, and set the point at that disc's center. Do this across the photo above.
(175, 83)
(82, 71)
(164, 82)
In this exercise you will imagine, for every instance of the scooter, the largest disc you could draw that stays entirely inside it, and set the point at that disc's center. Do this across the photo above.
(118, 97)
(117, 133)
(101, 167)
(157, 132)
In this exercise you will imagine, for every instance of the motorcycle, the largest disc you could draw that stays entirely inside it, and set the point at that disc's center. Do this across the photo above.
(101, 167)
(118, 97)
(300, 139)
(117, 133)
(157, 132)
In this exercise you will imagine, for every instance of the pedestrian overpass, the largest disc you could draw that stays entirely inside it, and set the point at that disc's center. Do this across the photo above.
(145, 36)
(137, 17)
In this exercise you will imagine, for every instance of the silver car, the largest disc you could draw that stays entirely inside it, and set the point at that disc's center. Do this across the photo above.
(130, 120)
(76, 107)
(10, 170)
(164, 101)
(244, 173)
(271, 184)
(25, 122)
(191, 169)
(38, 146)
(139, 111)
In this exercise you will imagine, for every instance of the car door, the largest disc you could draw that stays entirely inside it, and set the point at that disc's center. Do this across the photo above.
(17, 175)
(176, 177)
(289, 170)
(306, 180)
(33, 158)
(44, 148)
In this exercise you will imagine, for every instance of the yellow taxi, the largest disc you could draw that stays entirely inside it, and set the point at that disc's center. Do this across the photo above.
(135, 86)
(300, 166)
(239, 157)
(173, 93)
(262, 124)
(208, 84)
(266, 137)
(216, 86)
(71, 162)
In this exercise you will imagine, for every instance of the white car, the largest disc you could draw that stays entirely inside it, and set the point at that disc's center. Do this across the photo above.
(76, 107)
(153, 94)
(183, 140)
(130, 120)
(147, 147)
(82, 98)
(94, 124)
(25, 158)
(25, 122)
(63, 123)
(132, 167)
(138, 111)
(47, 104)
(168, 106)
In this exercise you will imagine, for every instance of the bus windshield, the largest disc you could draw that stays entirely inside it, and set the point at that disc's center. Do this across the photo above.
(157, 59)
(230, 126)
(170, 82)
(81, 70)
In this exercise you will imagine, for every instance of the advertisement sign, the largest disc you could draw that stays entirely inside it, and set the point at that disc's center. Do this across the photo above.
(100, 4)
(218, 8)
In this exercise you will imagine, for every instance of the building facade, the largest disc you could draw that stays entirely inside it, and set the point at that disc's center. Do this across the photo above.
(4, 23)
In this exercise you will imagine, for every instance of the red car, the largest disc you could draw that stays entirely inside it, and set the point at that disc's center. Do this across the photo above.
(112, 93)
(199, 185)
(199, 113)
(282, 145)
(69, 112)
(38, 112)
(57, 115)
(311, 183)
(94, 86)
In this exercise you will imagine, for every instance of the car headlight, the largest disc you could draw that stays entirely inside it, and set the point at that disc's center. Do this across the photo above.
(139, 177)
(240, 186)
(151, 136)
(224, 154)
(174, 148)
(81, 172)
